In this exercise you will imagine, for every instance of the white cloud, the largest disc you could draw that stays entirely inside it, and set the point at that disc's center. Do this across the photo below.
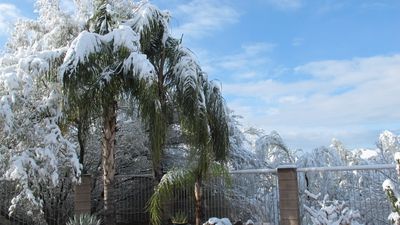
(201, 17)
(286, 4)
(9, 13)
(246, 63)
(343, 98)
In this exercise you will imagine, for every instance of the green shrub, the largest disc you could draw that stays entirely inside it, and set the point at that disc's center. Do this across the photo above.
(84, 219)
(179, 218)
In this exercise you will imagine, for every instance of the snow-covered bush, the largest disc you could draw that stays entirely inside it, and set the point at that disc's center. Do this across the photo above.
(393, 195)
(217, 221)
(331, 212)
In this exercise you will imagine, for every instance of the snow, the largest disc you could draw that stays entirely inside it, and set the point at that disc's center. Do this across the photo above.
(388, 185)
(139, 64)
(397, 157)
(394, 216)
(124, 36)
(311, 195)
(217, 221)
(249, 222)
(332, 212)
(82, 47)
(368, 153)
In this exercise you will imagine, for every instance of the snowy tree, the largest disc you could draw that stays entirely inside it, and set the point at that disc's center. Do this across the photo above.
(98, 68)
(34, 150)
(272, 149)
(388, 144)
(181, 84)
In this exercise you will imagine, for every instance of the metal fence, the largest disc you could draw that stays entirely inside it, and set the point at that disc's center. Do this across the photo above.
(250, 194)
(360, 187)
(245, 196)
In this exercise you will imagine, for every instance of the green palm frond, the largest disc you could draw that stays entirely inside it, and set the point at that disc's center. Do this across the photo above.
(175, 178)
(220, 170)
(97, 66)
(217, 121)
(101, 22)
(152, 25)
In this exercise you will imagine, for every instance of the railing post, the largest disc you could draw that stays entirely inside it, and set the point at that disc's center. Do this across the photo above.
(82, 195)
(288, 195)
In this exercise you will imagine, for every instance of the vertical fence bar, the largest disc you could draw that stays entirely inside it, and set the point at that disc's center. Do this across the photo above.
(288, 196)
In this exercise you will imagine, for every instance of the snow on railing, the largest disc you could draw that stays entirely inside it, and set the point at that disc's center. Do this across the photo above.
(317, 169)
(347, 168)
(253, 171)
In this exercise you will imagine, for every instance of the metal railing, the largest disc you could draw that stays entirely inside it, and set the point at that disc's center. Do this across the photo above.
(360, 187)
(251, 194)
(248, 195)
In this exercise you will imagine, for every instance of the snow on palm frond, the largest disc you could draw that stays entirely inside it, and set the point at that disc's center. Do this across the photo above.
(88, 44)
(146, 17)
(218, 121)
(186, 76)
(139, 64)
(84, 45)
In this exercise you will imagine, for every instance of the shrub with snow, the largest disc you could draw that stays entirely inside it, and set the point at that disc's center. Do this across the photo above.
(393, 195)
(217, 221)
(331, 212)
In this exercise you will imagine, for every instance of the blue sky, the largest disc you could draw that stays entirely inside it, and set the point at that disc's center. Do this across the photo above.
(309, 69)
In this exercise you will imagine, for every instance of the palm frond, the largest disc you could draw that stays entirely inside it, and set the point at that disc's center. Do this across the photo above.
(96, 66)
(152, 25)
(175, 178)
(101, 22)
(217, 121)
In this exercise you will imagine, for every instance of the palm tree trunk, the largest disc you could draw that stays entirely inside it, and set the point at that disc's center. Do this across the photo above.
(81, 142)
(158, 174)
(198, 194)
(108, 160)
(157, 166)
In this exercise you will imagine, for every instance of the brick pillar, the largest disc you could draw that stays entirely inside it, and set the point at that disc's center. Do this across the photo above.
(82, 195)
(288, 196)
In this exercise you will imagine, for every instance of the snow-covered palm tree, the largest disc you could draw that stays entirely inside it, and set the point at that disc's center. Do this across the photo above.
(99, 68)
(181, 86)
(207, 158)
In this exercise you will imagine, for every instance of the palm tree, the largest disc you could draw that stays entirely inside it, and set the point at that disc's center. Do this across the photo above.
(180, 87)
(208, 156)
(184, 89)
(100, 67)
